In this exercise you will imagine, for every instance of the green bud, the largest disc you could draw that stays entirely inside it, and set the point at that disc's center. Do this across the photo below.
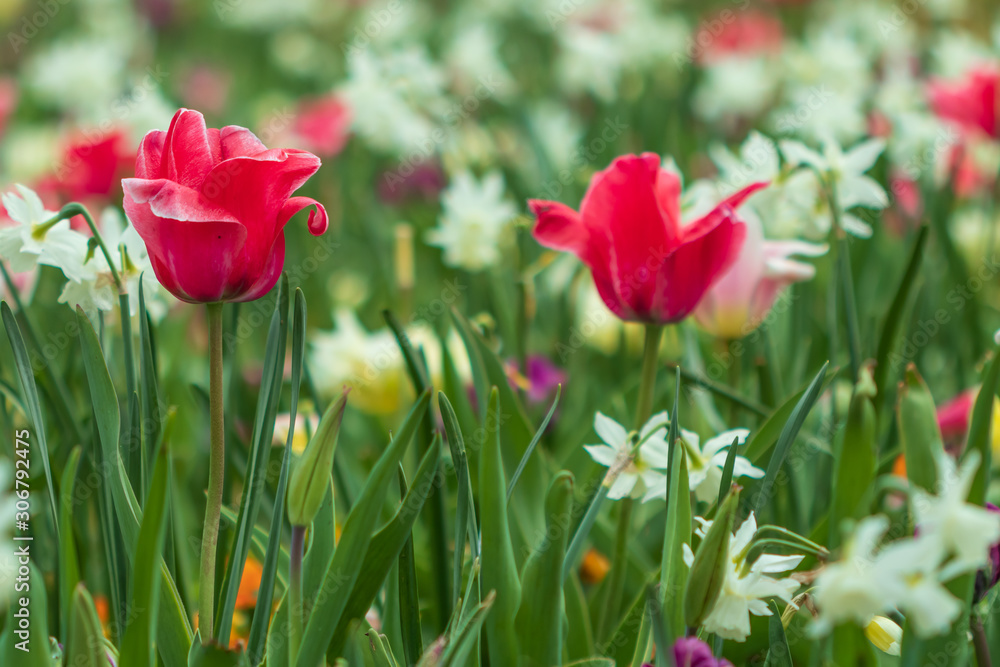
(708, 572)
(918, 430)
(308, 483)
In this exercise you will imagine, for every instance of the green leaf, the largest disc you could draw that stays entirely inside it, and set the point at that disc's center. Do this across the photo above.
(787, 437)
(539, 618)
(213, 654)
(258, 546)
(149, 394)
(255, 484)
(979, 429)
(458, 649)
(499, 571)
(69, 567)
(918, 430)
(85, 637)
(137, 644)
(778, 653)
(673, 569)
(895, 317)
(704, 584)
(534, 442)
(855, 459)
(381, 652)
(409, 598)
(386, 545)
(850, 647)
(27, 647)
(265, 594)
(346, 564)
(26, 377)
(173, 631)
(465, 512)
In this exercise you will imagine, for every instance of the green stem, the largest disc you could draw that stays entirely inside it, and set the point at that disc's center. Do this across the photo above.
(72, 209)
(647, 381)
(296, 611)
(216, 472)
(843, 268)
(980, 642)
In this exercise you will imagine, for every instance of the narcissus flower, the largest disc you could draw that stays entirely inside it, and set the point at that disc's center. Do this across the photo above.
(635, 464)
(745, 590)
(647, 264)
(212, 205)
(971, 102)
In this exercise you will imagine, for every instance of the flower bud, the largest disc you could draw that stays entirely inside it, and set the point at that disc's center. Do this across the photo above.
(918, 430)
(708, 571)
(308, 483)
(884, 634)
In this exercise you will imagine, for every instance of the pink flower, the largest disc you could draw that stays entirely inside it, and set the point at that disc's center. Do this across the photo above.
(693, 652)
(741, 299)
(745, 33)
(212, 205)
(647, 265)
(971, 103)
(323, 124)
(8, 101)
(92, 166)
(953, 416)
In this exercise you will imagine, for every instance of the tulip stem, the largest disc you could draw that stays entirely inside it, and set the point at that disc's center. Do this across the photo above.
(216, 471)
(980, 642)
(295, 613)
(647, 381)
(619, 565)
(72, 209)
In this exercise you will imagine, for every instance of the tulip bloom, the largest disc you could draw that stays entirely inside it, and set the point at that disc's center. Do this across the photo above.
(212, 205)
(647, 265)
(971, 103)
(738, 303)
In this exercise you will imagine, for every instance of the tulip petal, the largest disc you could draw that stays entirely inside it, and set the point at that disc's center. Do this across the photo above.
(269, 276)
(188, 155)
(623, 205)
(686, 275)
(559, 227)
(168, 199)
(147, 160)
(733, 202)
(236, 141)
(318, 222)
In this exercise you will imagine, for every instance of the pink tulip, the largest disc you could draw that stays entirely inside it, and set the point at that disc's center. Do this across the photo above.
(971, 102)
(741, 299)
(646, 264)
(212, 205)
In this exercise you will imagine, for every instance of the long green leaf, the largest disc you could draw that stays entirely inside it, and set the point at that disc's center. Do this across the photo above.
(346, 565)
(409, 598)
(499, 571)
(778, 654)
(256, 643)
(979, 429)
(26, 377)
(256, 474)
(69, 567)
(30, 647)
(137, 645)
(386, 545)
(787, 437)
(173, 630)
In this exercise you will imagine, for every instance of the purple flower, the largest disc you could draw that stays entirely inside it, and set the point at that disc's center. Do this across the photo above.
(987, 577)
(692, 652)
(543, 378)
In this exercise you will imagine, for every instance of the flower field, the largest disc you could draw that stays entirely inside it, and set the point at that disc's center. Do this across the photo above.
(591, 333)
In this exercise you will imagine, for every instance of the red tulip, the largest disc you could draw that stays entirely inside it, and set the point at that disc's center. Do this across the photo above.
(212, 205)
(92, 164)
(971, 103)
(646, 264)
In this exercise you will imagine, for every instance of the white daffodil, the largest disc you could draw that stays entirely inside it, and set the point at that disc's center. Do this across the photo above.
(745, 590)
(913, 582)
(475, 216)
(706, 463)
(95, 289)
(853, 588)
(949, 528)
(636, 474)
(846, 172)
(33, 241)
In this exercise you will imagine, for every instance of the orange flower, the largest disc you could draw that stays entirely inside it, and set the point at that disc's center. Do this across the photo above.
(595, 567)
(246, 597)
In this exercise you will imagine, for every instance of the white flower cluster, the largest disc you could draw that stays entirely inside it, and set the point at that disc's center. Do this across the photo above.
(953, 537)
